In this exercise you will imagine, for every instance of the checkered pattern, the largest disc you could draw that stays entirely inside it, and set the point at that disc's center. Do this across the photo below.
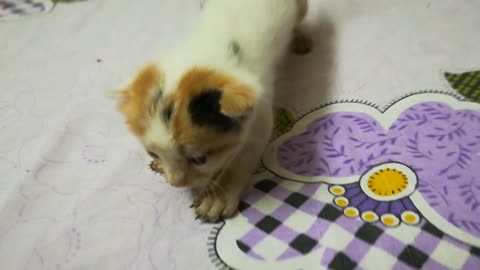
(285, 218)
(10, 9)
(405, 247)
(292, 219)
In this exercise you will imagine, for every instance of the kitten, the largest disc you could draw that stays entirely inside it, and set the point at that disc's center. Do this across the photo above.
(204, 110)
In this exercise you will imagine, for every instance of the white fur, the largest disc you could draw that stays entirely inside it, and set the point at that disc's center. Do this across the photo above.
(263, 30)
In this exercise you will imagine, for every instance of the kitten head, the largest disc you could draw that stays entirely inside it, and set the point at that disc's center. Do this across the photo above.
(194, 125)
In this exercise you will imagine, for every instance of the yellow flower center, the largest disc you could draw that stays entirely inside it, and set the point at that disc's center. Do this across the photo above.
(388, 221)
(387, 182)
(341, 201)
(351, 212)
(337, 190)
(369, 217)
(410, 218)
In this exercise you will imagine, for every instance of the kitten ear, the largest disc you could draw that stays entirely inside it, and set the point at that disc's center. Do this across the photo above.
(237, 102)
(134, 99)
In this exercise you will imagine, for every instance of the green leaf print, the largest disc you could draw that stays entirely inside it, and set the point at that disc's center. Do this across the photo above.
(467, 84)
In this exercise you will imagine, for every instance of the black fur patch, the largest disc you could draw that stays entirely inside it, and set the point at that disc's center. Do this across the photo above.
(235, 51)
(235, 48)
(205, 110)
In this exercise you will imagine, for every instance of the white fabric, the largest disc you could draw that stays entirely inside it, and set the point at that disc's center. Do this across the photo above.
(75, 190)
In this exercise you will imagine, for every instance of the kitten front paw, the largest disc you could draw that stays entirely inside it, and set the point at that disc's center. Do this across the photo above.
(211, 207)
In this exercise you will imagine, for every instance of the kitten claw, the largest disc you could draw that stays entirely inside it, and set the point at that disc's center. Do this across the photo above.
(214, 209)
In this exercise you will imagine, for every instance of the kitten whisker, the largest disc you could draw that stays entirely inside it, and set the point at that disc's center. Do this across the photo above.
(213, 189)
(206, 191)
(218, 186)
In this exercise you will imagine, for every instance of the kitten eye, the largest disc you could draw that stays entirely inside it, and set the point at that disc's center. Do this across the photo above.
(197, 160)
(158, 95)
(153, 155)
(167, 114)
(156, 98)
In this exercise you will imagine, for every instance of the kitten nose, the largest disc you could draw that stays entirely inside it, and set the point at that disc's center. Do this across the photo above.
(178, 180)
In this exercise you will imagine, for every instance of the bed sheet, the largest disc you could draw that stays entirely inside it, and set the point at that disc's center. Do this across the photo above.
(75, 188)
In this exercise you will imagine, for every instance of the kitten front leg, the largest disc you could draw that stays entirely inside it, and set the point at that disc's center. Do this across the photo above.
(222, 197)
(222, 200)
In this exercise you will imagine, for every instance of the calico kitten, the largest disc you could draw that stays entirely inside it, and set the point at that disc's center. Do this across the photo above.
(204, 110)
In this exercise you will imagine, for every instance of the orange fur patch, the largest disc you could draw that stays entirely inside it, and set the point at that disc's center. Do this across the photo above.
(237, 99)
(137, 96)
